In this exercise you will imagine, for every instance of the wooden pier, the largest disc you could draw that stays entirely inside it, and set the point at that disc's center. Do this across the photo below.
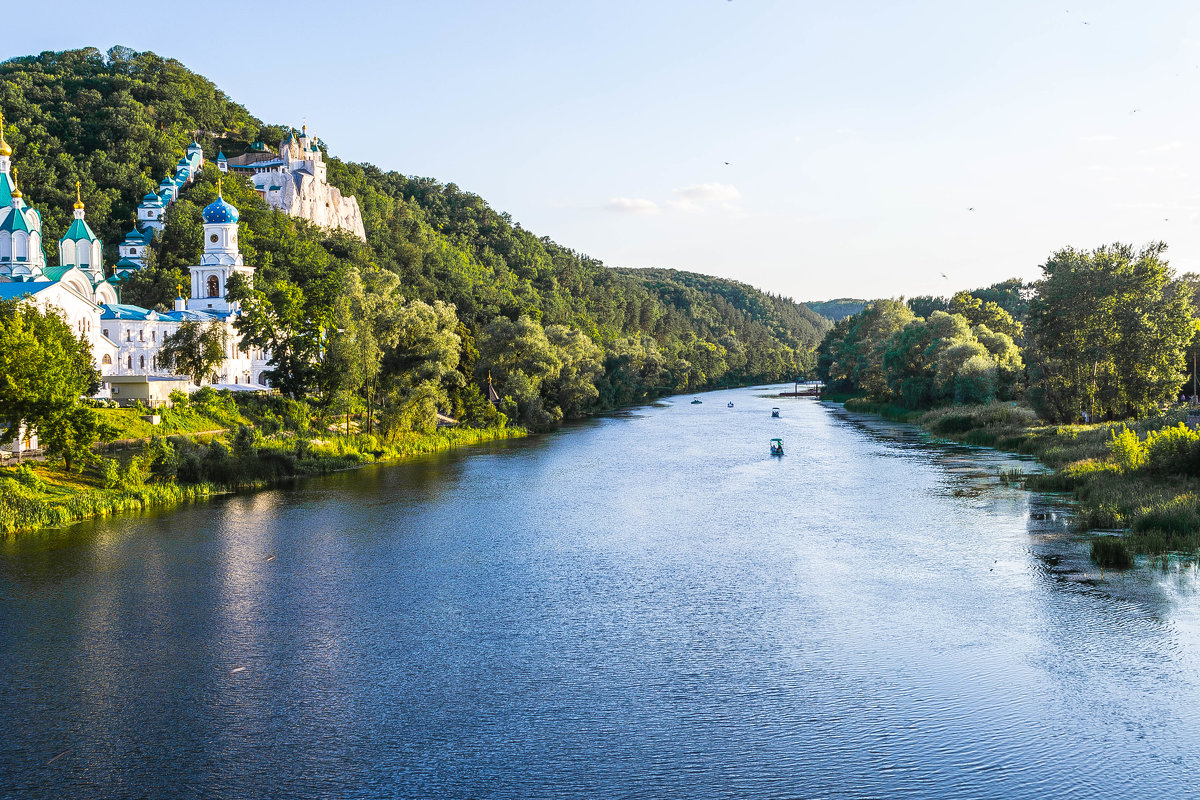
(805, 389)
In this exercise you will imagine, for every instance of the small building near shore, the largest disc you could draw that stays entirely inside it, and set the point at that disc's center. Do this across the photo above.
(154, 391)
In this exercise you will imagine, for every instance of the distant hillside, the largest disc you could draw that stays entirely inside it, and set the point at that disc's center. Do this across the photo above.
(837, 309)
(747, 320)
(118, 122)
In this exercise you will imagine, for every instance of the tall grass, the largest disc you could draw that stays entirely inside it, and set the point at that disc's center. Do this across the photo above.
(186, 468)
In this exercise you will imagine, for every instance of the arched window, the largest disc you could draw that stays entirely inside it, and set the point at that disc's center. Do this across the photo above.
(141, 336)
(107, 360)
(129, 362)
(128, 336)
(152, 335)
(141, 362)
(214, 286)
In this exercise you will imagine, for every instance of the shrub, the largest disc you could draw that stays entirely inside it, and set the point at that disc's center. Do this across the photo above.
(1126, 449)
(246, 442)
(204, 396)
(1173, 451)
(189, 469)
(110, 472)
(179, 398)
(29, 479)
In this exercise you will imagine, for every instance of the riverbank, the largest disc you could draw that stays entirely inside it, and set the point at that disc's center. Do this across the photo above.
(1141, 477)
(180, 469)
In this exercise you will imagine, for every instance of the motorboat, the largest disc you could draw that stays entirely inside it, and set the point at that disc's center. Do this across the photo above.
(774, 412)
(696, 401)
(777, 447)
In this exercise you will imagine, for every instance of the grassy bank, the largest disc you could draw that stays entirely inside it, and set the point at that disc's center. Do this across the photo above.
(127, 423)
(182, 468)
(1140, 476)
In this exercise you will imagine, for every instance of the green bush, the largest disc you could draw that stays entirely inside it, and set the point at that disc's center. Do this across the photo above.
(29, 479)
(1126, 449)
(1173, 451)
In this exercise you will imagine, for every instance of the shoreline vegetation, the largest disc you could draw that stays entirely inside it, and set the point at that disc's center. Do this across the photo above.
(185, 461)
(1134, 481)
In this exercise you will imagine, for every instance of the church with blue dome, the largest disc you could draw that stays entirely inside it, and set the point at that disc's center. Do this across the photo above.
(221, 259)
(126, 339)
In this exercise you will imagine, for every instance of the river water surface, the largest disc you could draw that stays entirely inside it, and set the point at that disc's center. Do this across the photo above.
(646, 605)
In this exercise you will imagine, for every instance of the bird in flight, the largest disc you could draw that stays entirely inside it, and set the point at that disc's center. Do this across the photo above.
(944, 275)
(727, 163)
(972, 208)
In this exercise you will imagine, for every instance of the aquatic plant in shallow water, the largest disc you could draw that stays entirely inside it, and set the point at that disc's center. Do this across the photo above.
(1110, 552)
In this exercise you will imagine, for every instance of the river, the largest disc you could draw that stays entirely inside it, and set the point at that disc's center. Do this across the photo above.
(644, 605)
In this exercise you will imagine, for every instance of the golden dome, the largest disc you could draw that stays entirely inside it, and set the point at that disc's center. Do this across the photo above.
(16, 193)
(78, 200)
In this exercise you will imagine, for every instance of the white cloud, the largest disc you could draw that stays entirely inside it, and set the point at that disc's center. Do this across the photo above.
(707, 197)
(1166, 147)
(632, 205)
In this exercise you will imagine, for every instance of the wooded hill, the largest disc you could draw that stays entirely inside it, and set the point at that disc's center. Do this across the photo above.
(561, 333)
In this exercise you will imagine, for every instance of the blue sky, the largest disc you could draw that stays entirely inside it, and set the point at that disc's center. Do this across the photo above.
(858, 133)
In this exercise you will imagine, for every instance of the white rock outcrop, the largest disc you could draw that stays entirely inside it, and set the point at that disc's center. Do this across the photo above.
(302, 195)
(293, 180)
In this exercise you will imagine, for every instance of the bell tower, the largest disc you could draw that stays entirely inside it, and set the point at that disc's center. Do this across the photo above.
(221, 260)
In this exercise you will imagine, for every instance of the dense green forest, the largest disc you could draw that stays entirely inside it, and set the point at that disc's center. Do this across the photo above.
(445, 291)
(1105, 334)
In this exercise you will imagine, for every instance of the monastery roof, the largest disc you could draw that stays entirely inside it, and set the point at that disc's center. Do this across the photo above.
(15, 221)
(14, 291)
(79, 231)
(253, 158)
(5, 190)
(55, 273)
(127, 263)
(121, 311)
(137, 313)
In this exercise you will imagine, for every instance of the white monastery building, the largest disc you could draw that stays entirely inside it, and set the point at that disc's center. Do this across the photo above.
(126, 339)
(293, 179)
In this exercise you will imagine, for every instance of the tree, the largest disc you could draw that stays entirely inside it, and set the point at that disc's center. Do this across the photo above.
(195, 349)
(519, 357)
(852, 353)
(979, 312)
(44, 371)
(573, 390)
(422, 366)
(1107, 333)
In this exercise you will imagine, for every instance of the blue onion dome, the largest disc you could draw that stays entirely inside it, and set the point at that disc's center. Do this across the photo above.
(218, 212)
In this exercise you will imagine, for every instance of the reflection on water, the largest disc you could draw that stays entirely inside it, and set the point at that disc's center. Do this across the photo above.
(646, 605)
